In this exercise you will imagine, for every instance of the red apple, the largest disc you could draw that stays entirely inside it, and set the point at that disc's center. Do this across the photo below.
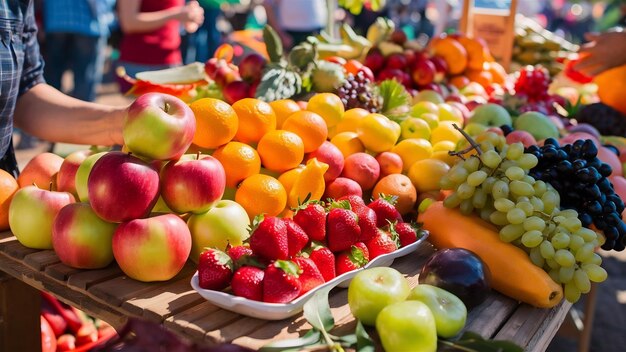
(236, 90)
(374, 60)
(159, 126)
(193, 183)
(81, 239)
(152, 249)
(423, 72)
(210, 67)
(399, 37)
(82, 175)
(122, 187)
(441, 68)
(393, 73)
(32, 212)
(432, 86)
(526, 138)
(66, 177)
(251, 67)
(225, 74)
(397, 61)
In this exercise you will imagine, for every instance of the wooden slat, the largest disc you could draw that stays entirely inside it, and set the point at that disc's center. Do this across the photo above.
(161, 310)
(84, 279)
(13, 249)
(40, 260)
(183, 321)
(160, 296)
(19, 312)
(60, 272)
(497, 307)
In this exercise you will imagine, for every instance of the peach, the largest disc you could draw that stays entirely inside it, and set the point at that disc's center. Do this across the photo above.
(362, 168)
(41, 170)
(328, 153)
(342, 186)
(526, 138)
(390, 163)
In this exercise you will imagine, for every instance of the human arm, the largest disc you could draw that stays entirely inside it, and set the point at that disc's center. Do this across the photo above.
(49, 114)
(603, 51)
(132, 20)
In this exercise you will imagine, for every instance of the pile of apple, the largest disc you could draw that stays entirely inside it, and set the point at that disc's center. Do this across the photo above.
(286, 258)
(235, 81)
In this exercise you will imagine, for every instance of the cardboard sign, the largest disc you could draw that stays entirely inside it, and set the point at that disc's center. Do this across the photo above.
(493, 21)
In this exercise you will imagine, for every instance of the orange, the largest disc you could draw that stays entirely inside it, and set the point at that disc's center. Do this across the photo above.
(256, 118)
(484, 78)
(281, 150)
(41, 171)
(328, 106)
(476, 52)
(239, 160)
(611, 86)
(8, 187)
(498, 73)
(261, 194)
(310, 126)
(348, 143)
(216, 122)
(452, 52)
(398, 185)
(459, 81)
(283, 109)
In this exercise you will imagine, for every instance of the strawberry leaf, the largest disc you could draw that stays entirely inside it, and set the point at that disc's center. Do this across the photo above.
(317, 311)
(289, 267)
(357, 257)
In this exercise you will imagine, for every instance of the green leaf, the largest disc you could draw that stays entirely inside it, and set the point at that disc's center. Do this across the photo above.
(346, 340)
(279, 83)
(310, 338)
(364, 342)
(317, 311)
(473, 342)
(395, 99)
(273, 44)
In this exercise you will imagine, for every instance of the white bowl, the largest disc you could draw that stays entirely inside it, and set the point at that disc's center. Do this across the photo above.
(278, 311)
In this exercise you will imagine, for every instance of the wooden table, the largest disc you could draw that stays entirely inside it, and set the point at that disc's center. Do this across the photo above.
(110, 295)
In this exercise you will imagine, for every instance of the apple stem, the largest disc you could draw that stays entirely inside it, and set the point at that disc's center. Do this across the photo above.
(198, 155)
(166, 107)
(50, 187)
(473, 145)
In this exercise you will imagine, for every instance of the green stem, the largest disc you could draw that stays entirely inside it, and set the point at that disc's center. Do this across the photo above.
(458, 347)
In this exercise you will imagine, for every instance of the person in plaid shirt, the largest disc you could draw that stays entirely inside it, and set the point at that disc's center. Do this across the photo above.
(27, 102)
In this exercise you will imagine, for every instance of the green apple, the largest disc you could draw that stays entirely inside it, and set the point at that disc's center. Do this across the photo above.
(431, 119)
(82, 175)
(413, 127)
(407, 326)
(428, 95)
(226, 223)
(373, 289)
(490, 115)
(423, 107)
(449, 311)
(448, 113)
(537, 124)
(474, 129)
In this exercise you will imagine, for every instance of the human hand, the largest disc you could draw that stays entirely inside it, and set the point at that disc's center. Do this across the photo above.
(192, 16)
(603, 51)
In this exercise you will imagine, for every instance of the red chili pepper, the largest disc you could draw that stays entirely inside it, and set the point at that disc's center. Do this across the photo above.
(73, 321)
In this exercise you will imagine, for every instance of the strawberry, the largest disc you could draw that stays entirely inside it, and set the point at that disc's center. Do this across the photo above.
(310, 275)
(367, 223)
(239, 253)
(364, 250)
(351, 259)
(297, 239)
(407, 233)
(311, 217)
(324, 259)
(269, 238)
(356, 202)
(281, 283)
(215, 269)
(248, 283)
(342, 229)
(385, 210)
(381, 244)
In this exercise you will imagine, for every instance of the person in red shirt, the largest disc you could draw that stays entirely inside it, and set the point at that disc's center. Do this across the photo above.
(151, 33)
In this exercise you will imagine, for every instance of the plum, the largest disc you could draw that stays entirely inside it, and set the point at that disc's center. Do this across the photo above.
(460, 272)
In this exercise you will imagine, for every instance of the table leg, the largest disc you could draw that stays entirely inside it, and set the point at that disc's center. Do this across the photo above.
(590, 310)
(20, 308)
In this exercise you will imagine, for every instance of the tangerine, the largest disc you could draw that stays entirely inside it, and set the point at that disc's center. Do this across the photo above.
(310, 126)
(216, 122)
(281, 150)
(348, 143)
(261, 194)
(8, 187)
(283, 109)
(398, 185)
(239, 161)
(256, 118)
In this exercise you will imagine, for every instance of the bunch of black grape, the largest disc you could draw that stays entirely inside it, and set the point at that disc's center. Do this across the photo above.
(581, 179)
(357, 92)
(605, 119)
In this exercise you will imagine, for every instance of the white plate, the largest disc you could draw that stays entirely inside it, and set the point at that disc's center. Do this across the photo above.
(278, 311)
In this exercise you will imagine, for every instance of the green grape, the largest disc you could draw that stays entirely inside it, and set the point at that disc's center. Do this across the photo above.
(526, 207)
(511, 232)
(547, 249)
(595, 259)
(476, 178)
(487, 185)
(506, 164)
(452, 201)
(532, 239)
(581, 280)
(569, 213)
(498, 218)
(480, 198)
(566, 274)
(536, 202)
(536, 258)
(515, 151)
(552, 264)
(527, 161)
(550, 226)
(471, 164)
(515, 216)
(446, 183)
(550, 201)
(485, 213)
(571, 292)
(560, 240)
(540, 188)
(528, 179)
(515, 173)
(503, 204)
(564, 257)
(500, 189)
(457, 174)
(587, 234)
(584, 253)
(521, 188)
(558, 218)
(491, 158)
(554, 274)
(575, 242)
(595, 272)
(534, 223)
(465, 191)
(486, 145)
(466, 207)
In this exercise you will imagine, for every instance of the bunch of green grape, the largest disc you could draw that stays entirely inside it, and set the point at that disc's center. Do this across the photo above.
(495, 185)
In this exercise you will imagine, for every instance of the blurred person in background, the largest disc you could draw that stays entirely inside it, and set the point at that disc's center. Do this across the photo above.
(602, 52)
(201, 45)
(151, 33)
(295, 20)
